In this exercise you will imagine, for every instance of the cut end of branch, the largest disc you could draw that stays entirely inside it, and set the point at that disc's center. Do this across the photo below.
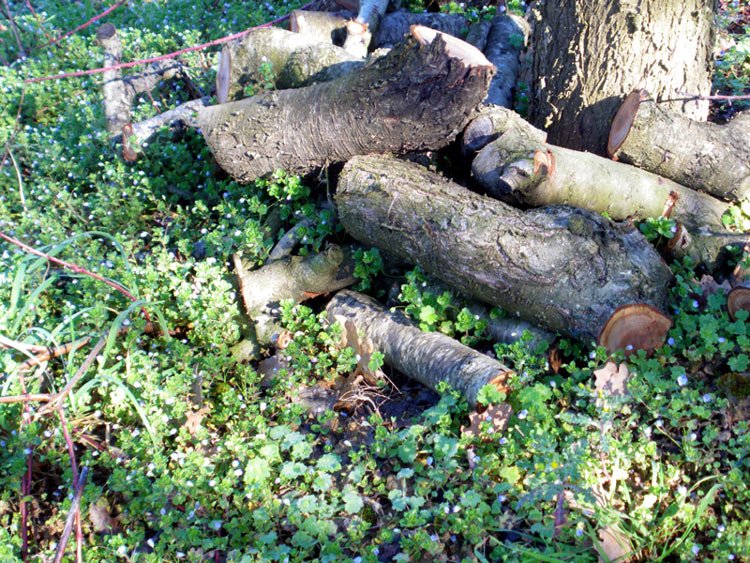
(454, 47)
(623, 121)
(635, 327)
(106, 31)
(738, 299)
(500, 381)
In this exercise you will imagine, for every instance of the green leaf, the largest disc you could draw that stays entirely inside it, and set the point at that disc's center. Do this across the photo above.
(352, 501)
(329, 463)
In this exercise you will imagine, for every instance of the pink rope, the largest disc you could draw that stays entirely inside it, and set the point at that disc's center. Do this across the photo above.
(85, 25)
(162, 57)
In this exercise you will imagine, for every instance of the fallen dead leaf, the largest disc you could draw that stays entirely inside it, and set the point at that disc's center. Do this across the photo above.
(614, 546)
(497, 415)
(193, 420)
(611, 379)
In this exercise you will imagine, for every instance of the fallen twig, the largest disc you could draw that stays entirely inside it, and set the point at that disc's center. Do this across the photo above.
(74, 511)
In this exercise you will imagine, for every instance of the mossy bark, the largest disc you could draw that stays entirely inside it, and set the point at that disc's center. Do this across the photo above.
(560, 268)
(518, 168)
(705, 156)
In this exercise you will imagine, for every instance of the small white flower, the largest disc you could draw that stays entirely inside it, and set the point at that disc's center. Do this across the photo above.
(682, 380)
(523, 414)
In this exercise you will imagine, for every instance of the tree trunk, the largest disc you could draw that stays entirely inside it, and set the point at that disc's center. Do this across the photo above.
(587, 53)
(418, 97)
(520, 169)
(704, 156)
(561, 268)
(428, 357)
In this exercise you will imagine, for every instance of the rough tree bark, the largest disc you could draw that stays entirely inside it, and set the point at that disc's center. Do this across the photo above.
(417, 97)
(520, 169)
(428, 357)
(704, 156)
(561, 268)
(585, 54)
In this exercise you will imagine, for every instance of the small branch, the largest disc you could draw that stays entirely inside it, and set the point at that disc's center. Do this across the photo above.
(14, 28)
(715, 97)
(49, 353)
(74, 511)
(160, 57)
(22, 346)
(74, 268)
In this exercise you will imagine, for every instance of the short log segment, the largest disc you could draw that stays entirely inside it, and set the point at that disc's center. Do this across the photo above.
(560, 268)
(396, 25)
(294, 277)
(519, 169)
(492, 122)
(706, 156)
(428, 357)
(417, 97)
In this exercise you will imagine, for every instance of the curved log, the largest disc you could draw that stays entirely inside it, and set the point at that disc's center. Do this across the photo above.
(417, 97)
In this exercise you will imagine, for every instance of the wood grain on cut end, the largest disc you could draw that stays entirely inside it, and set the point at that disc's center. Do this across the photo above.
(454, 47)
(633, 327)
(738, 299)
(623, 121)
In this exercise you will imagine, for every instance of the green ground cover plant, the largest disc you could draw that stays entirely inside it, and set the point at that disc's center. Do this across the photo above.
(195, 456)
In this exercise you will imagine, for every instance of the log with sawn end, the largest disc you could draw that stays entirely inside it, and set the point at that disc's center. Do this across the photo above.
(417, 97)
(561, 268)
(428, 357)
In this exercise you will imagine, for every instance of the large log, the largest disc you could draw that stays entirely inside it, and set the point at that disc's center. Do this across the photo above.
(418, 97)
(704, 156)
(428, 357)
(518, 168)
(561, 268)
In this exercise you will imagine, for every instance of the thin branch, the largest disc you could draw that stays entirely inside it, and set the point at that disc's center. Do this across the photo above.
(74, 510)
(715, 97)
(86, 24)
(74, 268)
(22, 347)
(49, 353)
(14, 28)
(162, 57)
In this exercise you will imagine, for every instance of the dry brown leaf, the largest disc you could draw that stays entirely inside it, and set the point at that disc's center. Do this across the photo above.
(193, 420)
(614, 546)
(364, 348)
(497, 415)
(612, 380)
(100, 516)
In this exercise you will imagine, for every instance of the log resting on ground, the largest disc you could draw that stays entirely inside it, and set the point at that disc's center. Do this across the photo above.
(706, 156)
(359, 31)
(428, 357)
(561, 268)
(492, 122)
(294, 277)
(396, 25)
(519, 169)
(324, 27)
(417, 97)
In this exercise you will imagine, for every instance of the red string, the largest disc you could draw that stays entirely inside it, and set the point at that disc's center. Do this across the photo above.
(162, 57)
